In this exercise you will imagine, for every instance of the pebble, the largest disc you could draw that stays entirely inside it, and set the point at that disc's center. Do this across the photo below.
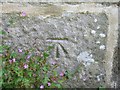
(102, 35)
(102, 47)
(98, 42)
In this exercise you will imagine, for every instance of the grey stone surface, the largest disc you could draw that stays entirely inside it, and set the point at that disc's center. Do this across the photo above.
(81, 39)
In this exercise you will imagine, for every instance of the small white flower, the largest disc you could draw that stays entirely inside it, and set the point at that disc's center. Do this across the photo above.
(102, 47)
(93, 31)
(102, 35)
(95, 20)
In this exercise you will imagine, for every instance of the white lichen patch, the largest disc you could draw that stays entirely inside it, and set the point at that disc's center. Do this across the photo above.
(95, 20)
(98, 42)
(91, 55)
(98, 27)
(98, 78)
(86, 58)
(93, 31)
(102, 35)
(102, 47)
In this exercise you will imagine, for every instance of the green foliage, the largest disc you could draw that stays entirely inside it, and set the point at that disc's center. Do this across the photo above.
(102, 88)
(23, 72)
(2, 32)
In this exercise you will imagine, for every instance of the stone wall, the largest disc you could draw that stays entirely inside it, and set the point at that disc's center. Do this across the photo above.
(84, 35)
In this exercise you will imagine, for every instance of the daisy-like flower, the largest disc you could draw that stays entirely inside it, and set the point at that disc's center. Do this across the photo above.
(19, 50)
(61, 74)
(25, 66)
(41, 86)
(13, 59)
(49, 84)
(23, 14)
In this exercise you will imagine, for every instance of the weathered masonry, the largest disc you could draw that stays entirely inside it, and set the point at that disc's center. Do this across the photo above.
(84, 35)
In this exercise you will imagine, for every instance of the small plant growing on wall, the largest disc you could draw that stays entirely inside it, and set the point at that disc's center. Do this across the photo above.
(27, 69)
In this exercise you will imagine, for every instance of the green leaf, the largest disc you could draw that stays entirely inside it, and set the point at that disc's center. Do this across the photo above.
(45, 68)
(45, 54)
(1, 49)
(30, 74)
(18, 80)
(13, 54)
(50, 47)
(102, 88)
(60, 81)
(58, 85)
(26, 82)
(46, 79)
(2, 32)
(55, 73)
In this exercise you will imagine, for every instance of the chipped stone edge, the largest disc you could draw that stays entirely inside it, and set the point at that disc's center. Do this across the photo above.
(112, 42)
(112, 35)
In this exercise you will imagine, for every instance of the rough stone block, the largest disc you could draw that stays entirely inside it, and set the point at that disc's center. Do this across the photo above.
(84, 35)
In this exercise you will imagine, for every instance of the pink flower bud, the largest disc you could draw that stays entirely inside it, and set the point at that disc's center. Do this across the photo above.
(20, 50)
(25, 66)
(61, 74)
(42, 86)
(23, 14)
(28, 56)
(10, 61)
(13, 59)
(49, 84)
